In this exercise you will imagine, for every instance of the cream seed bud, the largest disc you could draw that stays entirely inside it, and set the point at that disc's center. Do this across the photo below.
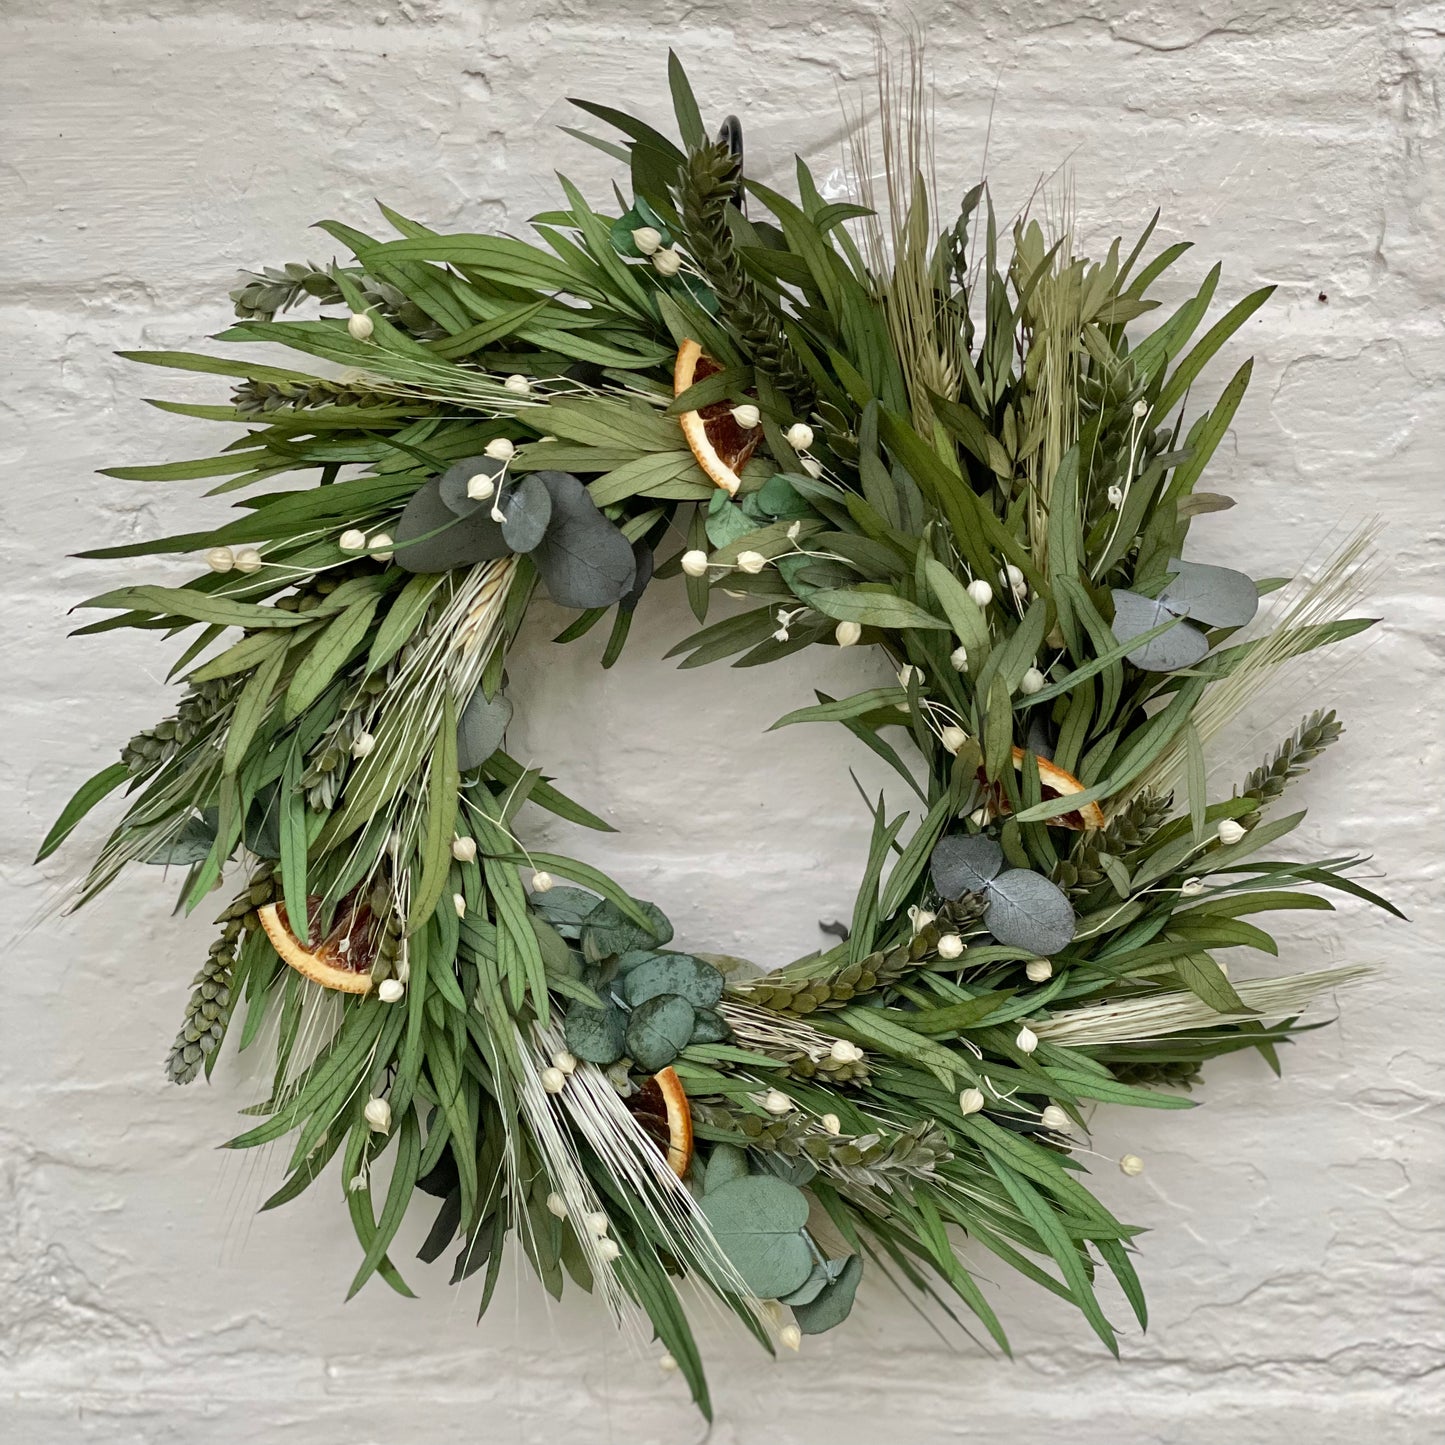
(381, 546)
(647, 239)
(950, 945)
(751, 562)
(908, 673)
(667, 262)
(498, 515)
(500, 449)
(1229, 831)
(480, 487)
(248, 560)
(666, 1363)
(556, 1205)
(920, 918)
(847, 633)
(832, 1124)
(958, 658)
(1031, 682)
(799, 436)
(1038, 970)
(464, 850)
(747, 416)
(795, 530)
(845, 1052)
(1115, 495)
(1011, 577)
(360, 325)
(378, 1115)
(607, 1250)
(459, 902)
(553, 1080)
(1191, 887)
(1132, 1165)
(777, 1102)
(517, 384)
(812, 466)
(981, 592)
(971, 1101)
(352, 540)
(361, 745)
(565, 1061)
(1054, 1118)
(392, 990)
(790, 1337)
(694, 563)
(542, 882)
(1141, 409)
(597, 1224)
(952, 739)
(1026, 1040)
(220, 559)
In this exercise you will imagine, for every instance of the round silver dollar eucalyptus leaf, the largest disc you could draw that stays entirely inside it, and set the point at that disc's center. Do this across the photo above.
(430, 537)
(1181, 646)
(1026, 910)
(584, 560)
(480, 729)
(456, 479)
(1219, 596)
(964, 864)
(527, 507)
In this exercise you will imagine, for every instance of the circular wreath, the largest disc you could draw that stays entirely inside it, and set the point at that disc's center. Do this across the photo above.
(877, 432)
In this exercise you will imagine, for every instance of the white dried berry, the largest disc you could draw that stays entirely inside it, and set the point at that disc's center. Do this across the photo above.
(847, 633)
(799, 436)
(747, 416)
(694, 563)
(220, 559)
(360, 326)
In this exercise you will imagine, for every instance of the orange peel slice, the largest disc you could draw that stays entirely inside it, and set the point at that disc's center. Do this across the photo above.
(340, 961)
(720, 446)
(1054, 783)
(660, 1106)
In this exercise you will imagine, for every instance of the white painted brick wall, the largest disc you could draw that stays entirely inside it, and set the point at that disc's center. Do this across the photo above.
(153, 147)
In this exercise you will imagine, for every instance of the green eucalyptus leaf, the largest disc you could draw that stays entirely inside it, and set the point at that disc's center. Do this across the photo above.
(596, 1034)
(608, 930)
(709, 1027)
(833, 1303)
(527, 507)
(191, 844)
(453, 483)
(1026, 910)
(965, 864)
(658, 1031)
(726, 1163)
(583, 559)
(430, 537)
(480, 729)
(1220, 596)
(758, 1221)
(699, 983)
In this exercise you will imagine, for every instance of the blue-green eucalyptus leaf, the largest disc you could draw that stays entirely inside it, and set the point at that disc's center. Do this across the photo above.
(964, 864)
(1026, 910)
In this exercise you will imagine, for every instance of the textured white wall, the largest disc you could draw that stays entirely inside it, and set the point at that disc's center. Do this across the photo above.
(152, 148)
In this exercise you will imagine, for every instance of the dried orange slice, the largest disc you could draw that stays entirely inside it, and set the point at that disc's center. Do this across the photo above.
(720, 445)
(1054, 782)
(660, 1107)
(341, 960)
